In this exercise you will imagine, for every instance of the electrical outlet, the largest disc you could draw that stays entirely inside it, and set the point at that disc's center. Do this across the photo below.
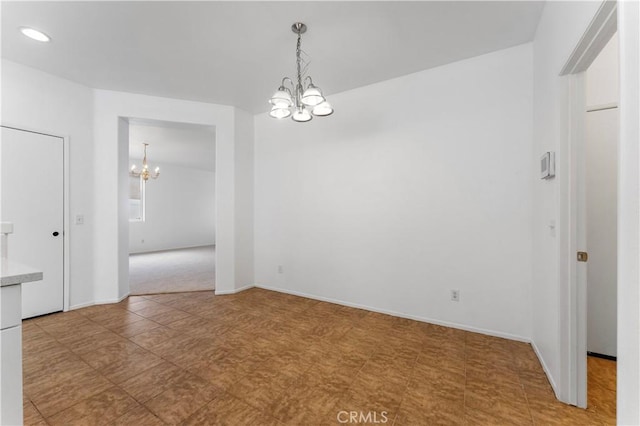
(280, 269)
(455, 295)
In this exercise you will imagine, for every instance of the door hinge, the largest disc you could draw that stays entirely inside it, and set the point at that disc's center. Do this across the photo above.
(583, 256)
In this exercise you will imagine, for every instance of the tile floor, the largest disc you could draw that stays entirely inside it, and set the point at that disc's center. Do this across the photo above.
(265, 358)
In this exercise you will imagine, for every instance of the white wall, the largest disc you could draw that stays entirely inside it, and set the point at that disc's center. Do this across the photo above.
(601, 193)
(111, 197)
(37, 101)
(602, 77)
(561, 26)
(628, 394)
(95, 123)
(415, 186)
(180, 210)
(244, 151)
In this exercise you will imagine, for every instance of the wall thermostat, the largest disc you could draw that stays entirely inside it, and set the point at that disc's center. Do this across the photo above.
(548, 165)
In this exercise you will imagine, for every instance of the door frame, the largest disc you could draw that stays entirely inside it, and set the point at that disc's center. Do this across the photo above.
(124, 124)
(572, 273)
(65, 207)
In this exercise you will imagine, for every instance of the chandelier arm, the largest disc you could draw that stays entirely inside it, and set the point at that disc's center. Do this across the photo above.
(285, 79)
(284, 87)
(310, 81)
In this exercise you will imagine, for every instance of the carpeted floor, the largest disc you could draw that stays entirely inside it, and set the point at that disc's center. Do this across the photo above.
(171, 271)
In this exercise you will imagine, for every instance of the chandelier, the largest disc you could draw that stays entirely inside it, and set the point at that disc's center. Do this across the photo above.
(144, 174)
(302, 100)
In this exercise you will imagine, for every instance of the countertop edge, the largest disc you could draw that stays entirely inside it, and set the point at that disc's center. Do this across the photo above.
(12, 273)
(20, 278)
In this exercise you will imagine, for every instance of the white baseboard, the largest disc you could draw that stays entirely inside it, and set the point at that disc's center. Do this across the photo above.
(372, 309)
(234, 291)
(546, 369)
(81, 305)
(98, 302)
(401, 315)
(171, 249)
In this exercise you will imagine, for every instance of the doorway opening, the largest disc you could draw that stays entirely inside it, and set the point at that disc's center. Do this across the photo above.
(600, 205)
(172, 213)
(591, 73)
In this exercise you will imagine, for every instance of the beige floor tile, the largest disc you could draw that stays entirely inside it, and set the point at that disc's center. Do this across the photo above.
(43, 363)
(100, 409)
(31, 416)
(139, 416)
(169, 316)
(260, 357)
(181, 399)
(138, 303)
(135, 328)
(51, 400)
(75, 331)
(228, 410)
(55, 373)
(90, 343)
(153, 381)
(109, 354)
(116, 318)
(165, 298)
(429, 411)
(158, 339)
(493, 418)
(130, 365)
(303, 404)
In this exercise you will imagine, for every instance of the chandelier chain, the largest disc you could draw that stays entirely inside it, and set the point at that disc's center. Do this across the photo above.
(298, 65)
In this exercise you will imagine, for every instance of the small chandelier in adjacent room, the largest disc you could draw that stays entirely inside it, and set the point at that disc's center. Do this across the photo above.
(302, 100)
(144, 174)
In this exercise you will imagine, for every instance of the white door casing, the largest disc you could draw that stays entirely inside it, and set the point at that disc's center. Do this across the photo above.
(32, 179)
(573, 274)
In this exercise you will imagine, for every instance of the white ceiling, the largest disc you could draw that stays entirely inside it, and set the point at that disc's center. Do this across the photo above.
(235, 53)
(185, 145)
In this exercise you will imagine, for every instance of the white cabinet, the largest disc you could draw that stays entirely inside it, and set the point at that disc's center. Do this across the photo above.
(11, 376)
(11, 278)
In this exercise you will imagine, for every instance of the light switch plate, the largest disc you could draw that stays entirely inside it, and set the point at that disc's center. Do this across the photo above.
(548, 165)
(6, 227)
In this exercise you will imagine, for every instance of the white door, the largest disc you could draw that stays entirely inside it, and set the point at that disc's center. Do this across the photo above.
(602, 241)
(32, 197)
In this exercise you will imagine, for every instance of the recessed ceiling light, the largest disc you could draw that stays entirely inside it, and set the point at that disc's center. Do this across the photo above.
(35, 34)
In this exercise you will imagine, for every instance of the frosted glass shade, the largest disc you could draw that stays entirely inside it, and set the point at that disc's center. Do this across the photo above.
(312, 96)
(281, 99)
(279, 112)
(301, 115)
(323, 109)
